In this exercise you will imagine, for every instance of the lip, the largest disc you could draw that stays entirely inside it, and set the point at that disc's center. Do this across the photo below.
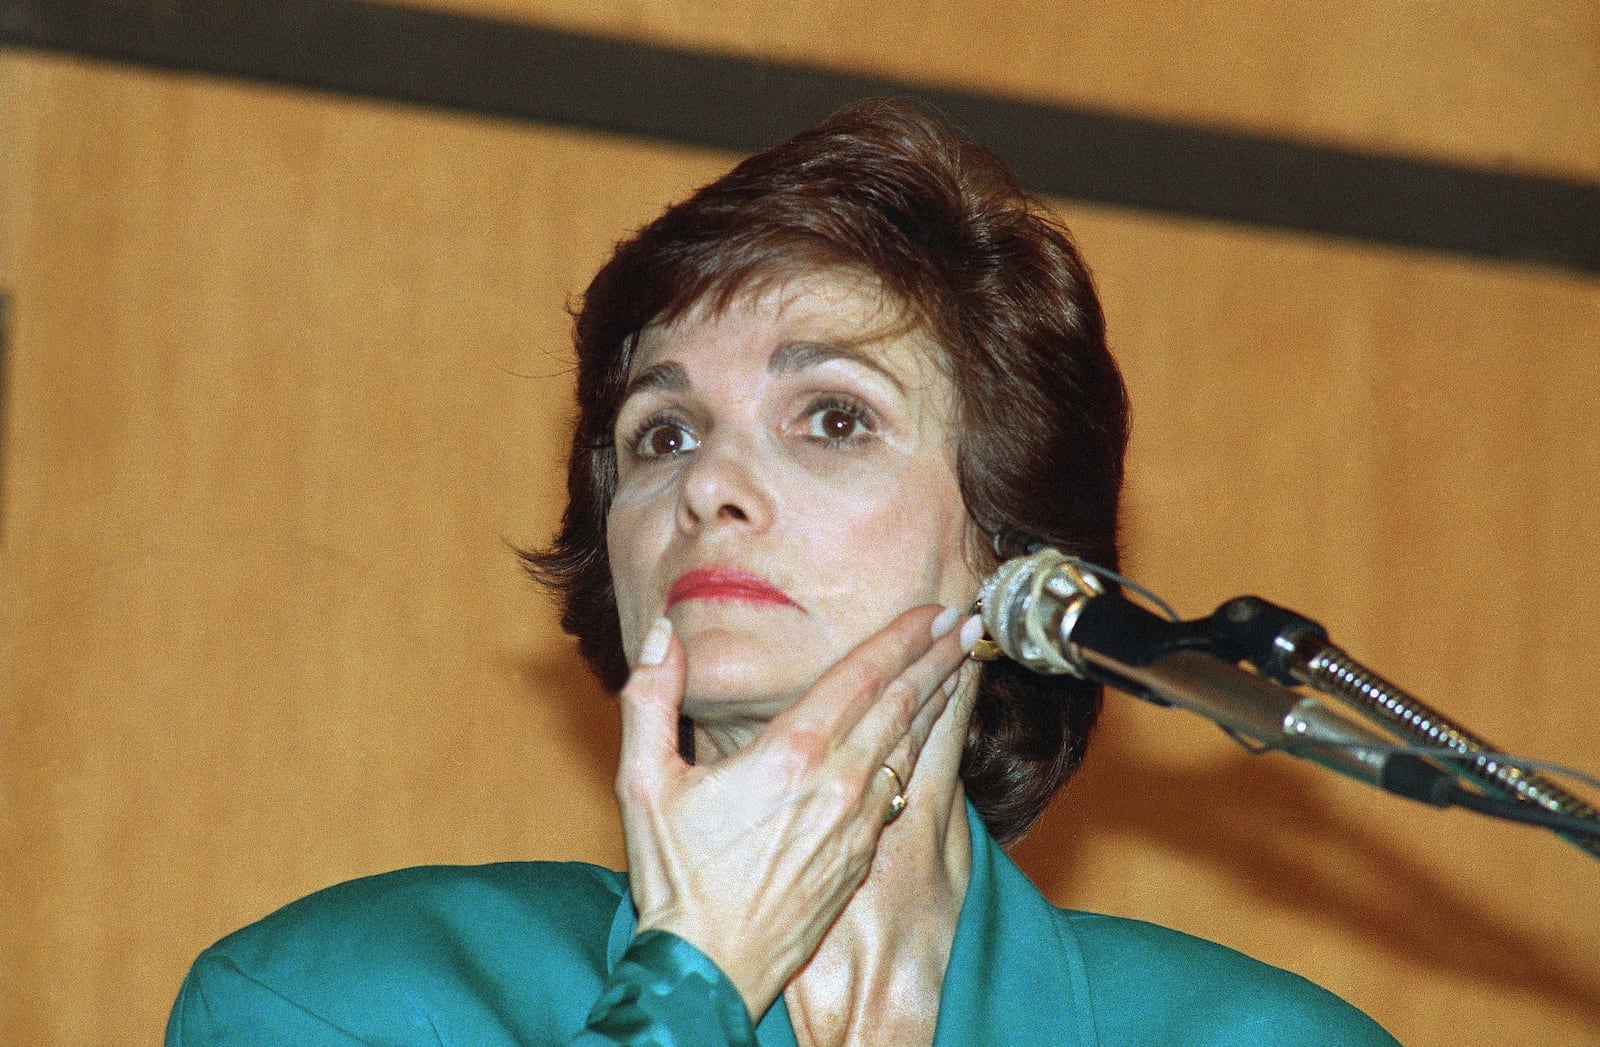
(728, 585)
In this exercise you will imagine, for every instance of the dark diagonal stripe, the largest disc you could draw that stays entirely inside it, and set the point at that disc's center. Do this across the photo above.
(524, 72)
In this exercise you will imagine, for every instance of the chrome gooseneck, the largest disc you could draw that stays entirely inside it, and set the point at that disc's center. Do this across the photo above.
(1336, 674)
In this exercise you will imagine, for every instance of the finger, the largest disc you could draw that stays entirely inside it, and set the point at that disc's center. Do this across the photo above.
(936, 715)
(899, 724)
(949, 711)
(651, 702)
(854, 684)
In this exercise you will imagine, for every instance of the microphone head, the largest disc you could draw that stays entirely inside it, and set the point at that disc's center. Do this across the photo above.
(1030, 605)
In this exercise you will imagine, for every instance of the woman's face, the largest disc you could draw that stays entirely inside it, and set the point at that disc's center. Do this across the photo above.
(786, 486)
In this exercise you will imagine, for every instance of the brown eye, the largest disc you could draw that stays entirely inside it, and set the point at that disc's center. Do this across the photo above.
(837, 423)
(665, 439)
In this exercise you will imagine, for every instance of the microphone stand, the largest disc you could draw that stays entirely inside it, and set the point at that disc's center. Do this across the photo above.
(1055, 614)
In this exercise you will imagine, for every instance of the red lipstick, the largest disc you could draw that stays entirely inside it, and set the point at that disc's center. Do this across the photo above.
(723, 584)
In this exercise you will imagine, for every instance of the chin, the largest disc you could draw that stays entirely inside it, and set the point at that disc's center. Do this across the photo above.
(730, 679)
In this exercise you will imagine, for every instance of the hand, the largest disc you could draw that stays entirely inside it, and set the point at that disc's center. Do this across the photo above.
(753, 858)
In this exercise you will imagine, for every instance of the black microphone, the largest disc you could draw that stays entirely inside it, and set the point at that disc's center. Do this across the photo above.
(1055, 615)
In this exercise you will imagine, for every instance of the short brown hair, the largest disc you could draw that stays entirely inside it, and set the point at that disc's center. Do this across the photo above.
(888, 189)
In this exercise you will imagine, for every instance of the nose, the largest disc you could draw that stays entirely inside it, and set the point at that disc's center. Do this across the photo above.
(723, 486)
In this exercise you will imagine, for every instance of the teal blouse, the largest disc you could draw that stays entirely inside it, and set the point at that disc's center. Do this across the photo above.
(546, 953)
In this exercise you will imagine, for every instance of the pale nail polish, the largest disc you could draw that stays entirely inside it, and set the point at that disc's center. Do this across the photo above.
(971, 632)
(654, 649)
(945, 622)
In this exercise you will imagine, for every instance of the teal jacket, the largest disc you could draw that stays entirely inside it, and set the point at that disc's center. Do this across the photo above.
(545, 953)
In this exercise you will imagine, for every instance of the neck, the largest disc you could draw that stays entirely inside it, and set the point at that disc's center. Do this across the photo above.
(877, 974)
(876, 977)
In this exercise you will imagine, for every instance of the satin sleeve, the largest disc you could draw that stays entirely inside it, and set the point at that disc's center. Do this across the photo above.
(664, 992)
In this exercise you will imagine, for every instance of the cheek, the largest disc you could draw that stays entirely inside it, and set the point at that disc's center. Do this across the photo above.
(901, 545)
(631, 553)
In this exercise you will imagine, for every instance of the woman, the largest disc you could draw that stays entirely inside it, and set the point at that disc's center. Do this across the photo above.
(818, 402)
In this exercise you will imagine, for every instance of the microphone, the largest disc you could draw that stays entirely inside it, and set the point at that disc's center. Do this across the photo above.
(1052, 614)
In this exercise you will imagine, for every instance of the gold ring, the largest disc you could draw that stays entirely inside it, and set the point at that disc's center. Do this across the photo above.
(898, 803)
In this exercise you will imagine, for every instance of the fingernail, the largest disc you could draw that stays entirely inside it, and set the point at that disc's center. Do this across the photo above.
(971, 632)
(654, 649)
(945, 622)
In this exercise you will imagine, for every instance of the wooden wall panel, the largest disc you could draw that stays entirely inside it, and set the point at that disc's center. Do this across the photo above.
(287, 376)
(288, 371)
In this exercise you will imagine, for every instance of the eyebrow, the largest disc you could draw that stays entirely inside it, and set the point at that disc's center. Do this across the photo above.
(789, 358)
(667, 376)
